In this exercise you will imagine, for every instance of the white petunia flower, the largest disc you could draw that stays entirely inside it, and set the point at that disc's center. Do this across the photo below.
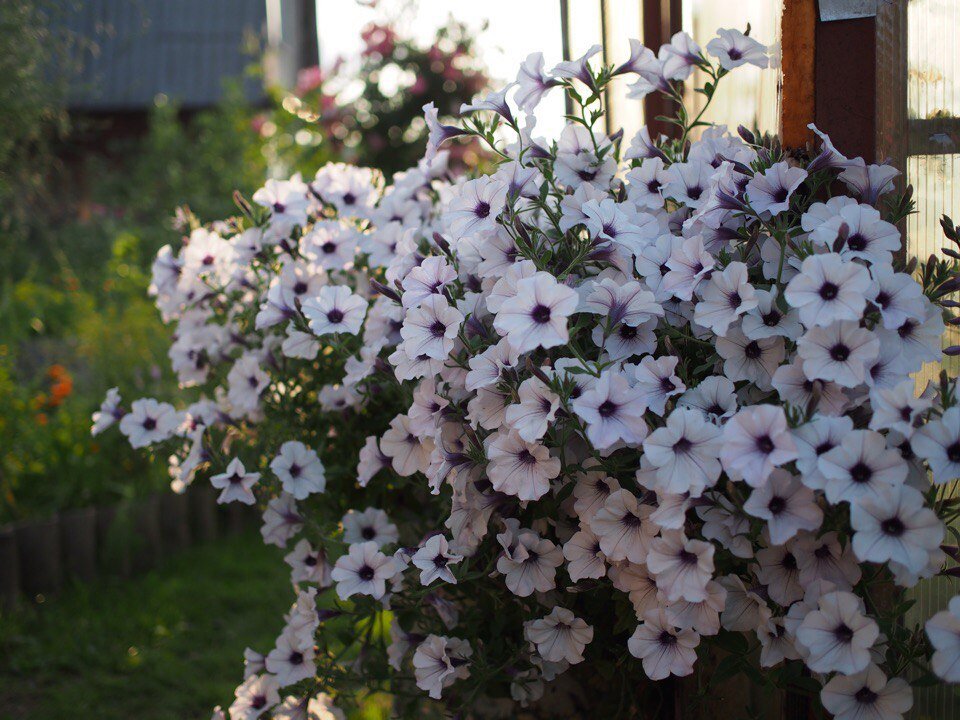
(943, 629)
(685, 452)
(434, 559)
(828, 289)
(662, 648)
(364, 570)
(149, 422)
(255, 696)
(537, 315)
(727, 296)
(755, 441)
(867, 695)
(440, 661)
(623, 527)
(430, 330)
(786, 504)
(770, 191)
(861, 465)
(682, 567)
(336, 309)
(838, 353)
(529, 564)
(538, 406)
(938, 442)
(585, 558)
(299, 469)
(613, 411)
(235, 484)
(895, 526)
(560, 636)
(656, 381)
(734, 49)
(838, 636)
(371, 525)
(520, 468)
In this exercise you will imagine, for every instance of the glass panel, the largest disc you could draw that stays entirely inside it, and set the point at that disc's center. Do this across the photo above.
(749, 96)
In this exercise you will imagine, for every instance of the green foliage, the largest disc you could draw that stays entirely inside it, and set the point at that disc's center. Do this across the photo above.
(145, 648)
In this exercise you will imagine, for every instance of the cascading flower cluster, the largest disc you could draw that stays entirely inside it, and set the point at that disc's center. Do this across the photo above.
(613, 404)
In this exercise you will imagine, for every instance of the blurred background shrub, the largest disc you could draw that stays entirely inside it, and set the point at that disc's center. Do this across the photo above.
(87, 198)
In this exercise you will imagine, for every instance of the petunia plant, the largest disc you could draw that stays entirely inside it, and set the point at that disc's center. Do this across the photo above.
(545, 437)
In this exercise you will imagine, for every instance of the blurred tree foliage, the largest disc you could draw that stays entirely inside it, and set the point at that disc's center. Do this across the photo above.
(369, 110)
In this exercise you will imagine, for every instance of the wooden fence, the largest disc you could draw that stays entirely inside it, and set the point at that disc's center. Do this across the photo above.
(38, 557)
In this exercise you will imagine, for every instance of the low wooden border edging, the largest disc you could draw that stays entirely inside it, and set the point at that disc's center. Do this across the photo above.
(37, 557)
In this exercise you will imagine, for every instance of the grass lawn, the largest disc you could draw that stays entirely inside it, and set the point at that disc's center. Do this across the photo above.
(167, 645)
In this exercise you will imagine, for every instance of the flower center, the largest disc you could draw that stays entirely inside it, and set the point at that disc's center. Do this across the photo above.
(150, 424)
(953, 452)
(777, 505)
(526, 457)
(765, 444)
(438, 329)
(329, 247)
(829, 291)
(368, 533)
(857, 242)
(365, 573)
(866, 696)
(861, 473)
(752, 350)
(296, 658)
(482, 209)
(607, 408)
(335, 316)
(299, 288)
(893, 526)
(843, 633)
(540, 314)
(295, 470)
(666, 638)
(839, 352)
(780, 195)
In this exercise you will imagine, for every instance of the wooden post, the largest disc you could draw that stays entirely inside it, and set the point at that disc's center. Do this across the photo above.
(797, 99)
(661, 19)
(846, 85)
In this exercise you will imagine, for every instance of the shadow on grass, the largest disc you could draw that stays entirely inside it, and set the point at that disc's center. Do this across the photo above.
(167, 645)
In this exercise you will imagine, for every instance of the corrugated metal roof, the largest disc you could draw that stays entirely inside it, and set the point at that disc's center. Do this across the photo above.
(184, 49)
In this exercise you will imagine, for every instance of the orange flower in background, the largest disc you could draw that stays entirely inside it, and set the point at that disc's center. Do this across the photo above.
(61, 387)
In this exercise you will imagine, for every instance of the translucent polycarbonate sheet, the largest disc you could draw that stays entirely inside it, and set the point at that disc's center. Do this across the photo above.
(933, 168)
(748, 96)
(934, 61)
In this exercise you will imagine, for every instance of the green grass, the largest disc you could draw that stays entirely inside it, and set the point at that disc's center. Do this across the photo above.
(167, 645)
